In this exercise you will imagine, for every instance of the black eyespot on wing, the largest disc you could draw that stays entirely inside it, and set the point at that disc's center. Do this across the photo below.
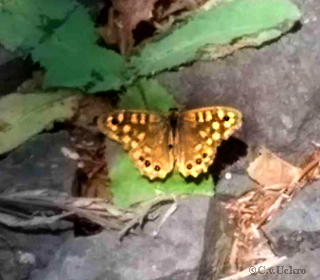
(141, 158)
(147, 163)
(170, 146)
(157, 168)
(114, 121)
(189, 166)
(204, 155)
(198, 161)
(226, 118)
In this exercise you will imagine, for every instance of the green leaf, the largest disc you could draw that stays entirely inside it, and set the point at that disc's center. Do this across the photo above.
(219, 27)
(61, 36)
(24, 115)
(73, 59)
(25, 23)
(147, 94)
(129, 187)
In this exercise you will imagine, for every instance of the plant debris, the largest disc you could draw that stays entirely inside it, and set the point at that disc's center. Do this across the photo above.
(41, 208)
(277, 182)
(25, 115)
(89, 148)
(268, 169)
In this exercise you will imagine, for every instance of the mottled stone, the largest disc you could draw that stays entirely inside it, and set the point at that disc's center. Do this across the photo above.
(174, 254)
(39, 164)
(297, 227)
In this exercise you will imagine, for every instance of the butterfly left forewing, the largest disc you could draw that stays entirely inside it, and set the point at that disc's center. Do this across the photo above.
(144, 136)
(200, 132)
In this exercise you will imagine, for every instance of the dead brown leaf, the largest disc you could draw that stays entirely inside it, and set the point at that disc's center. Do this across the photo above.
(89, 147)
(91, 107)
(123, 17)
(97, 186)
(165, 8)
(312, 166)
(268, 170)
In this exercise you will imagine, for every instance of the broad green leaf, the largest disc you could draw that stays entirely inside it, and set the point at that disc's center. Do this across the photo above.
(24, 115)
(148, 95)
(251, 22)
(73, 59)
(24, 24)
(129, 187)
(61, 36)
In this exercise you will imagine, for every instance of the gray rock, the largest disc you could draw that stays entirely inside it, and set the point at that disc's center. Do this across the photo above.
(174, 254)
(297, 227)
(308, 270)
(39, 164)
(295, 232)
(23, 252)
(237, 184)
(219, 237)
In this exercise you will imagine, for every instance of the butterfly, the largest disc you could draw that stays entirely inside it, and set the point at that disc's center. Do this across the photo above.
(158, 143)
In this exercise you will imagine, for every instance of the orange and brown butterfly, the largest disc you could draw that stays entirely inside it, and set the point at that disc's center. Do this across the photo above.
(158, 143)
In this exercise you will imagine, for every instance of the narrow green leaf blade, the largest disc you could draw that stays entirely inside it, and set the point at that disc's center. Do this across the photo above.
(218, 27)
(24, 115)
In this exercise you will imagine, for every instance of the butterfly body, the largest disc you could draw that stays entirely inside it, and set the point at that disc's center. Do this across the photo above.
(158, 143)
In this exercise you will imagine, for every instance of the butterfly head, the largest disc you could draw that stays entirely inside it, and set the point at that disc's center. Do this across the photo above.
(175, 110)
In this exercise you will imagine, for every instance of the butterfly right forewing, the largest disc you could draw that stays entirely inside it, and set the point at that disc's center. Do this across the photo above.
(200, 132)
(145, 136)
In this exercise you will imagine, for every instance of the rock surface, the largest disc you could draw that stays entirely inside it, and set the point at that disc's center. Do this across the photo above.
(298, 218)
(174, 254)
(295, 233)
(24, 252)
(39, 164)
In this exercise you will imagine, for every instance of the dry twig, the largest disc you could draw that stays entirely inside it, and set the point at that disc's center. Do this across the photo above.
(44, 208)
(259, 205)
